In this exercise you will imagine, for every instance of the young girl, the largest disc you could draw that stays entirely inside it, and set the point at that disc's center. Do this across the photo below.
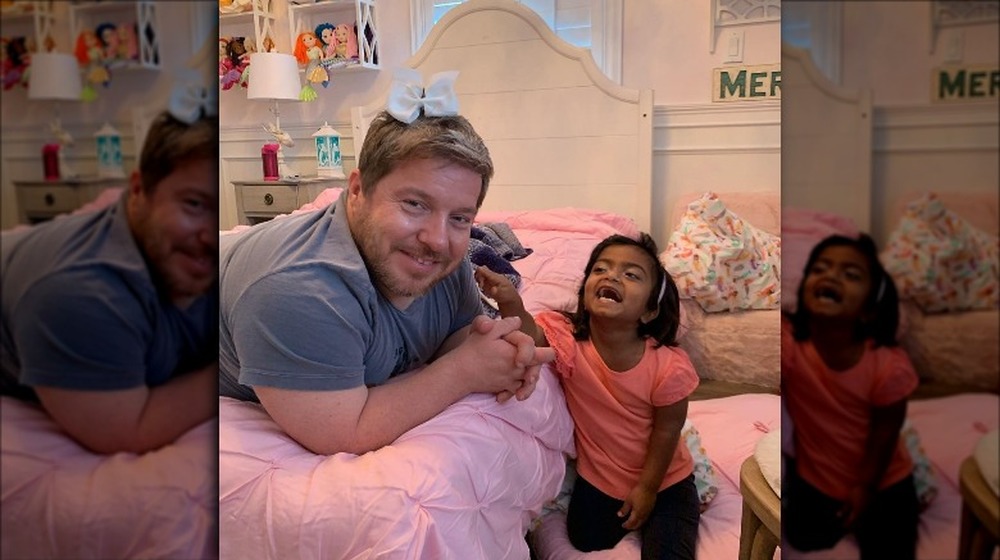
(845, 385)
(627, 388)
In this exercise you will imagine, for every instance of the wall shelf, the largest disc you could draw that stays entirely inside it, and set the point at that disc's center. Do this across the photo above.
(141, 14)
(359, 14)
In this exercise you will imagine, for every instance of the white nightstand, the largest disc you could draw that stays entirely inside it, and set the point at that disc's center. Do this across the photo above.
(258, 201)
(38, 201)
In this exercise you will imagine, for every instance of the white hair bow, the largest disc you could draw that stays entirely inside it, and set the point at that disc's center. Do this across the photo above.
(407, 96)
(190, 99)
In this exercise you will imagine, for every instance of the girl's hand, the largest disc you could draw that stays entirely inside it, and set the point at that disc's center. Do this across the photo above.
(638, 505)
(856, 504)
(498, 287)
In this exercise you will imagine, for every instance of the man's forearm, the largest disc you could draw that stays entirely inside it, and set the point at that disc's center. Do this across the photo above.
(177, 406)
(393, 409)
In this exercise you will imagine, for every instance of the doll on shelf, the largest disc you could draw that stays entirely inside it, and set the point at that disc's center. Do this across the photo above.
(128, 42)
(309, 53)
(345, 41)
(324, 32)
(16, 59)
(234, 58)
(90, 55)
(107, 34)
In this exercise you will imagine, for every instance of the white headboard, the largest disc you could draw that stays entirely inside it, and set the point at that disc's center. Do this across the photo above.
(826, 141)
(560, 133)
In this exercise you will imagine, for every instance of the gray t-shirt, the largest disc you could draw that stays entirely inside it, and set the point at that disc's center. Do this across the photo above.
(298, 310)
(80, 310)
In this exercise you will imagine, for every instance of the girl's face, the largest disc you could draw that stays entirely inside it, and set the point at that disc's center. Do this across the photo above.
(837, 284)
(341, 33)
(327, 35)
(620, 284)
(309, 39)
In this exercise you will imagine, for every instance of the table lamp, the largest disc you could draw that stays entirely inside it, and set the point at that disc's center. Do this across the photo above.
(55, 77)
(275, 77)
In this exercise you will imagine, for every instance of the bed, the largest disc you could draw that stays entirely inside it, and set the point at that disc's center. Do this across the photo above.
(475, 480)
(956, 404)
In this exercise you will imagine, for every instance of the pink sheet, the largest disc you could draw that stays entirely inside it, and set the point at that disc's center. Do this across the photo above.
(730, 428)
(61, 501)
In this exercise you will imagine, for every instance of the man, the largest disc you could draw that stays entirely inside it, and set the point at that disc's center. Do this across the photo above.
(319, 311)
(109, 318)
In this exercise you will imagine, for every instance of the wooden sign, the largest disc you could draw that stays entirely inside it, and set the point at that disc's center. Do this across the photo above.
(746, 83)
(964, 84)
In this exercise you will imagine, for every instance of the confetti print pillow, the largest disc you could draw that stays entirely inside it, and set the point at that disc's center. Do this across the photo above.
(721, 261)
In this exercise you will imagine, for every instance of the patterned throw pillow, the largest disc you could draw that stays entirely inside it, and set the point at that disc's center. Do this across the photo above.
(942, 262)
(721, 261)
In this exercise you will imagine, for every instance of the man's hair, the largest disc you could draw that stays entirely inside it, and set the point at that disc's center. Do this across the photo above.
(390, 142)
(171, 142)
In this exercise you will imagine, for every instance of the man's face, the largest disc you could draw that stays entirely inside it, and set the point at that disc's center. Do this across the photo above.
(413, 230)
(176, 227)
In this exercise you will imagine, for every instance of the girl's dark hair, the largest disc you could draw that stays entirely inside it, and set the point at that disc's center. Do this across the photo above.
(663, 328)
(882, 308)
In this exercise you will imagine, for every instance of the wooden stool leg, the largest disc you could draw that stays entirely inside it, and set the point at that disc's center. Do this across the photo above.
(750, 526)
(764, 544)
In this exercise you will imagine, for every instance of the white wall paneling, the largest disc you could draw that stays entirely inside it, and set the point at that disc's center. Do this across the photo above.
(931, 148)
(697, 148)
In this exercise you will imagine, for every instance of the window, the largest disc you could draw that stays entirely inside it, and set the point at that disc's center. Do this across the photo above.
(589, 24)
(815, 26)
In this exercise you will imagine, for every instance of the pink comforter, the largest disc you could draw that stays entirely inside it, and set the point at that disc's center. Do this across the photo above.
(61, 501)
(463, 485)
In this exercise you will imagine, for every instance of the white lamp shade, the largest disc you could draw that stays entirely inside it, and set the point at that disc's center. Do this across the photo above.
(54, 76)
(273, 76)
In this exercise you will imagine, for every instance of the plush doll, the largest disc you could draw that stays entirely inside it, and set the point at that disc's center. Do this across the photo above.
(16, 59)
(90, 55)
(309, 53)
(128, 42)
(108, 36)
(346, 41)
(234, 62)
(325, 33)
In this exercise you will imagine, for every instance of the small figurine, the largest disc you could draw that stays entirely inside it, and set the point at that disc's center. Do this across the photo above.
(309, 53)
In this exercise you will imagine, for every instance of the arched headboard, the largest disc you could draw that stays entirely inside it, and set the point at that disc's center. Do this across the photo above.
(559, 131)
(826, 142)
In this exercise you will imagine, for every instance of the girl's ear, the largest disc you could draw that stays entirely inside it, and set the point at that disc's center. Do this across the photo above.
(649, 315)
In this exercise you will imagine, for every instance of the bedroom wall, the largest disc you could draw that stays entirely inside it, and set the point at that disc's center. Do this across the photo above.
(26, 122)
(698, 145)
(920, 145)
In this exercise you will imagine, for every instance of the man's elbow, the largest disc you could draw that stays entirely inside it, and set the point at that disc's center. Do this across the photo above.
(109, 444)
(328, 446)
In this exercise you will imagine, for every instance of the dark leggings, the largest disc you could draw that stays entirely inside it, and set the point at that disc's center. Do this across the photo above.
(671, 531)
(887, 529)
